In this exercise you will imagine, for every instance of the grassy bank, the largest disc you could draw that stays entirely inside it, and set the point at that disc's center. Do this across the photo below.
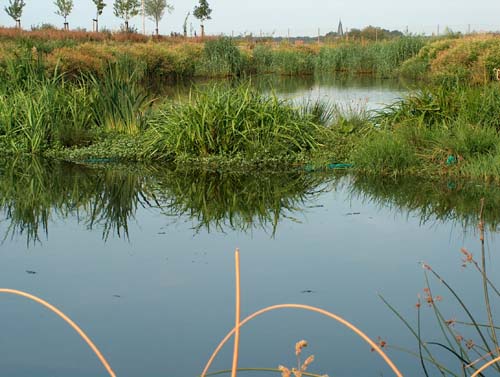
(174, 58)
(446, 59)
(437, 131)
(472, 59)
(109, 113)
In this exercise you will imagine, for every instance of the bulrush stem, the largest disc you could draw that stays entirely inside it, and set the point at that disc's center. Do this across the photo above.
(337, 318)
(238, 314)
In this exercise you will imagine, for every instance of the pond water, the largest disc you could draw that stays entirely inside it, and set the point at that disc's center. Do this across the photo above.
(354, 92)
(142, 258)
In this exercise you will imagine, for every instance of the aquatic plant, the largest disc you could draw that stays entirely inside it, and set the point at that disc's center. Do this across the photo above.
(475, 342)
(222, 57)
(299, 346)
(229, 122)
(119, 103)
(379, 58)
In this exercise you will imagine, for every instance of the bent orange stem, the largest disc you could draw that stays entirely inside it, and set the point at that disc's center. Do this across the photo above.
(67, 320)
(350, 326)
(485, 366)
(238, 314)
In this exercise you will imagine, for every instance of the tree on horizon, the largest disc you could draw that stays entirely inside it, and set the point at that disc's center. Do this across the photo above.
(155, 10)
(99, 5)
(64, 8)
(15, 10)
(126, 9)
(202, 12)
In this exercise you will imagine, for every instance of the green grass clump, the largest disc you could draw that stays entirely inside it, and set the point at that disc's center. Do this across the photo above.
(456, 60)
(379, 58)
(40, 111)
(385, 154)
(228, 122)
(119, 103)
(221, 57)
(284, 60)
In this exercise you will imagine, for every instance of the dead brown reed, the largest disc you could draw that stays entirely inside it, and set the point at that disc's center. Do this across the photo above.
(323, 312)
(238, 313)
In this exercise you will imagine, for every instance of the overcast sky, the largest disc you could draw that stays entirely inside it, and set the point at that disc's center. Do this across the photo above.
(302, 17)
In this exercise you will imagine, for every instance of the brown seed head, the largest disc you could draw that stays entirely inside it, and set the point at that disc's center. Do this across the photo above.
(299, 346)
(285, 372)
(306, 364)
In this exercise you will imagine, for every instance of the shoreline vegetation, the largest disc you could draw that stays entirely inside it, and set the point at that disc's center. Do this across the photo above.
(84, 99)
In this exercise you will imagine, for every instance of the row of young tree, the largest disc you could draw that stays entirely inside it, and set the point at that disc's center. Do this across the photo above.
(123, 9)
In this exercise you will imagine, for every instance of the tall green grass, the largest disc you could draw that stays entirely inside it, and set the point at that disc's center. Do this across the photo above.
(230, 122)
(119, 103)
(380, 58)
(283, 60)
(39, 111)
(222, 57)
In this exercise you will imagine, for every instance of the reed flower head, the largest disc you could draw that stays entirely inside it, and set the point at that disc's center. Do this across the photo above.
(299, 346)
(307, 362)
(470, 344)
(468, 256)
(285, 372)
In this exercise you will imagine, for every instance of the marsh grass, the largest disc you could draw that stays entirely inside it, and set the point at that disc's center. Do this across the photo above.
(229, 122)
(379, 58)
(119, 103)
(222, 57)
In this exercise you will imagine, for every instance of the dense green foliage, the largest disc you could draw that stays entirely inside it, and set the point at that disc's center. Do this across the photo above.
(103, 109)
(230, 122)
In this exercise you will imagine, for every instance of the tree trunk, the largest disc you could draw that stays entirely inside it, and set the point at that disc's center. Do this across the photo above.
(202, 31)
(126, 26)
(157, 30)
(97, 23)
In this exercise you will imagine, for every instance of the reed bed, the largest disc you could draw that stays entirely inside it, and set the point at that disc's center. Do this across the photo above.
(231, 122)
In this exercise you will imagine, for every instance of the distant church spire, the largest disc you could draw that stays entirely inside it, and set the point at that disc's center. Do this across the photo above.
(340, 30)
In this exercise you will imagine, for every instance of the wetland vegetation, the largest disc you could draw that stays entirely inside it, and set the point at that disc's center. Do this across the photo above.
(77, 99)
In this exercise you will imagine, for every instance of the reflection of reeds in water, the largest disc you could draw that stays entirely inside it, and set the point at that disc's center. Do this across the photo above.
(236, 201)
(32, 192)
(444, 200)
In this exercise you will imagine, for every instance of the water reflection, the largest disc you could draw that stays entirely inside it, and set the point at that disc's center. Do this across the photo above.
(432, 200)
(35, 192)
(32, 192)
(372, 91)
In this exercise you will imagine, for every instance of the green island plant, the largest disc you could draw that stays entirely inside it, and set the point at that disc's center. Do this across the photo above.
(231, 122)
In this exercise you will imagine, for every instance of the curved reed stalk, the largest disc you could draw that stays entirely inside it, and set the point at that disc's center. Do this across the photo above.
(486, 366)
(238, 314)
(312, 309)
(68, 321)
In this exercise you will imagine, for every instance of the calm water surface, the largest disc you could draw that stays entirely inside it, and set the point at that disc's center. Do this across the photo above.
(142, 258)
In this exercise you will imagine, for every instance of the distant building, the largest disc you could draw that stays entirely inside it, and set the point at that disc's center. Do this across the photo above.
(340, 30)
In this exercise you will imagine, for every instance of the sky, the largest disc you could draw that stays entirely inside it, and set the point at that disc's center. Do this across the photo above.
(297, 17)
